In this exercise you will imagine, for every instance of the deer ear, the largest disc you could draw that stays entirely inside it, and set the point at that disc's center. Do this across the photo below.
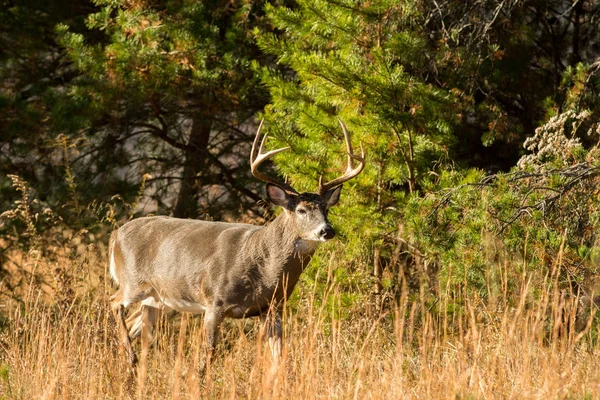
(278, 196)
(332, 196)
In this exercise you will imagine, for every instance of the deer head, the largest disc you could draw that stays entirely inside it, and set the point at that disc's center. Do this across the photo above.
(307, 212)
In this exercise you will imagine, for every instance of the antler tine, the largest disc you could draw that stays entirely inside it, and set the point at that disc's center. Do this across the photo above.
(347, 140)
(257, 157)
(255, 142)
(351, 171)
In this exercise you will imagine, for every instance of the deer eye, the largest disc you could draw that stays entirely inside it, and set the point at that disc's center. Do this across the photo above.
(301, 211)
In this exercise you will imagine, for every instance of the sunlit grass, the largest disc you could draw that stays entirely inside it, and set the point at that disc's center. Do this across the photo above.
(531, 350)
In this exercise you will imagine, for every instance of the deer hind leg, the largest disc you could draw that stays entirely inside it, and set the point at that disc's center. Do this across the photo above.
(147, 317)
(135, 322)
(119, 300)
(119, 312)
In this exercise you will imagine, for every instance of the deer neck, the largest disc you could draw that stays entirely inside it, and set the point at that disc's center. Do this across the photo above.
(282, 254)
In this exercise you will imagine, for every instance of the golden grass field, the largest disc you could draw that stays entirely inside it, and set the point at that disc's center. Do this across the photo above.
(64, 347)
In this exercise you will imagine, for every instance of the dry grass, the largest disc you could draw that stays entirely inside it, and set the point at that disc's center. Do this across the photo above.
(519, 352)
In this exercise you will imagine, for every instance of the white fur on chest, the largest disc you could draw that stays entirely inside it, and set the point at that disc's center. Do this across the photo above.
(303, 246)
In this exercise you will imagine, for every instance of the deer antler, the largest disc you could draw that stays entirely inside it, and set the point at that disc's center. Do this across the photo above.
(257, 158)
(351, 171)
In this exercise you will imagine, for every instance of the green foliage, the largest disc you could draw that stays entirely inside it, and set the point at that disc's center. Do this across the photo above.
(543, 215)
(365, 64)
(164, 92)
(346, 62)
(161, 50)
(350, 61)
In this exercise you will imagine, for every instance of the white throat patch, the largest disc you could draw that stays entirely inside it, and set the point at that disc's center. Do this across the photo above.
(305, 246)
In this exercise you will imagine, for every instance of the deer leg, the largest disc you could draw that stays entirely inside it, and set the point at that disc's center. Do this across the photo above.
(212, 321)
(129, 353)
(135, 320)
(134, 323)
(273, 333)
(148, 315)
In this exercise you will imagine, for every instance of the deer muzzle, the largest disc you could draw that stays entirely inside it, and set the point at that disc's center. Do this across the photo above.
(326, 232)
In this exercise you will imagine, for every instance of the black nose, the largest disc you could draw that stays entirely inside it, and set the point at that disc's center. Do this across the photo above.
(327, 232)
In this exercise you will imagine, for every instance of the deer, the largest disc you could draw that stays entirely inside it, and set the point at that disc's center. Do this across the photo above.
(221, 269)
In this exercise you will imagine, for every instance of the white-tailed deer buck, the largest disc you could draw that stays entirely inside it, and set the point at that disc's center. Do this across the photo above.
(222, 269)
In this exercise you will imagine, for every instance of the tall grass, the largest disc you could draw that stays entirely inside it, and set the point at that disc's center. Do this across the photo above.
(412, 351)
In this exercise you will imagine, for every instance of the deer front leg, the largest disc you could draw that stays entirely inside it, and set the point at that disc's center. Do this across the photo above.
(273, 333)
(212, 321)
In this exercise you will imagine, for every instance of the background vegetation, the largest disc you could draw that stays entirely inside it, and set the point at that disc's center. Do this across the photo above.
(467, 260)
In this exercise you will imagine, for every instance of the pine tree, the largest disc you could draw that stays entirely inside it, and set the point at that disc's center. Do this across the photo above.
(353, 60)
(356, 61)
(167, 90)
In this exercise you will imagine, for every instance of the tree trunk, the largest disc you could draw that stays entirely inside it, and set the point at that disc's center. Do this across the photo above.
(377, 274)
(196, 162)
(410, 163)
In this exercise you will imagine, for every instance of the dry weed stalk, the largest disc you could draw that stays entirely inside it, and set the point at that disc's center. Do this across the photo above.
(22, 210)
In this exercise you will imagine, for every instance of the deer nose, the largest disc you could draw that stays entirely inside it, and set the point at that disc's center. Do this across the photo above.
(327, 232)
